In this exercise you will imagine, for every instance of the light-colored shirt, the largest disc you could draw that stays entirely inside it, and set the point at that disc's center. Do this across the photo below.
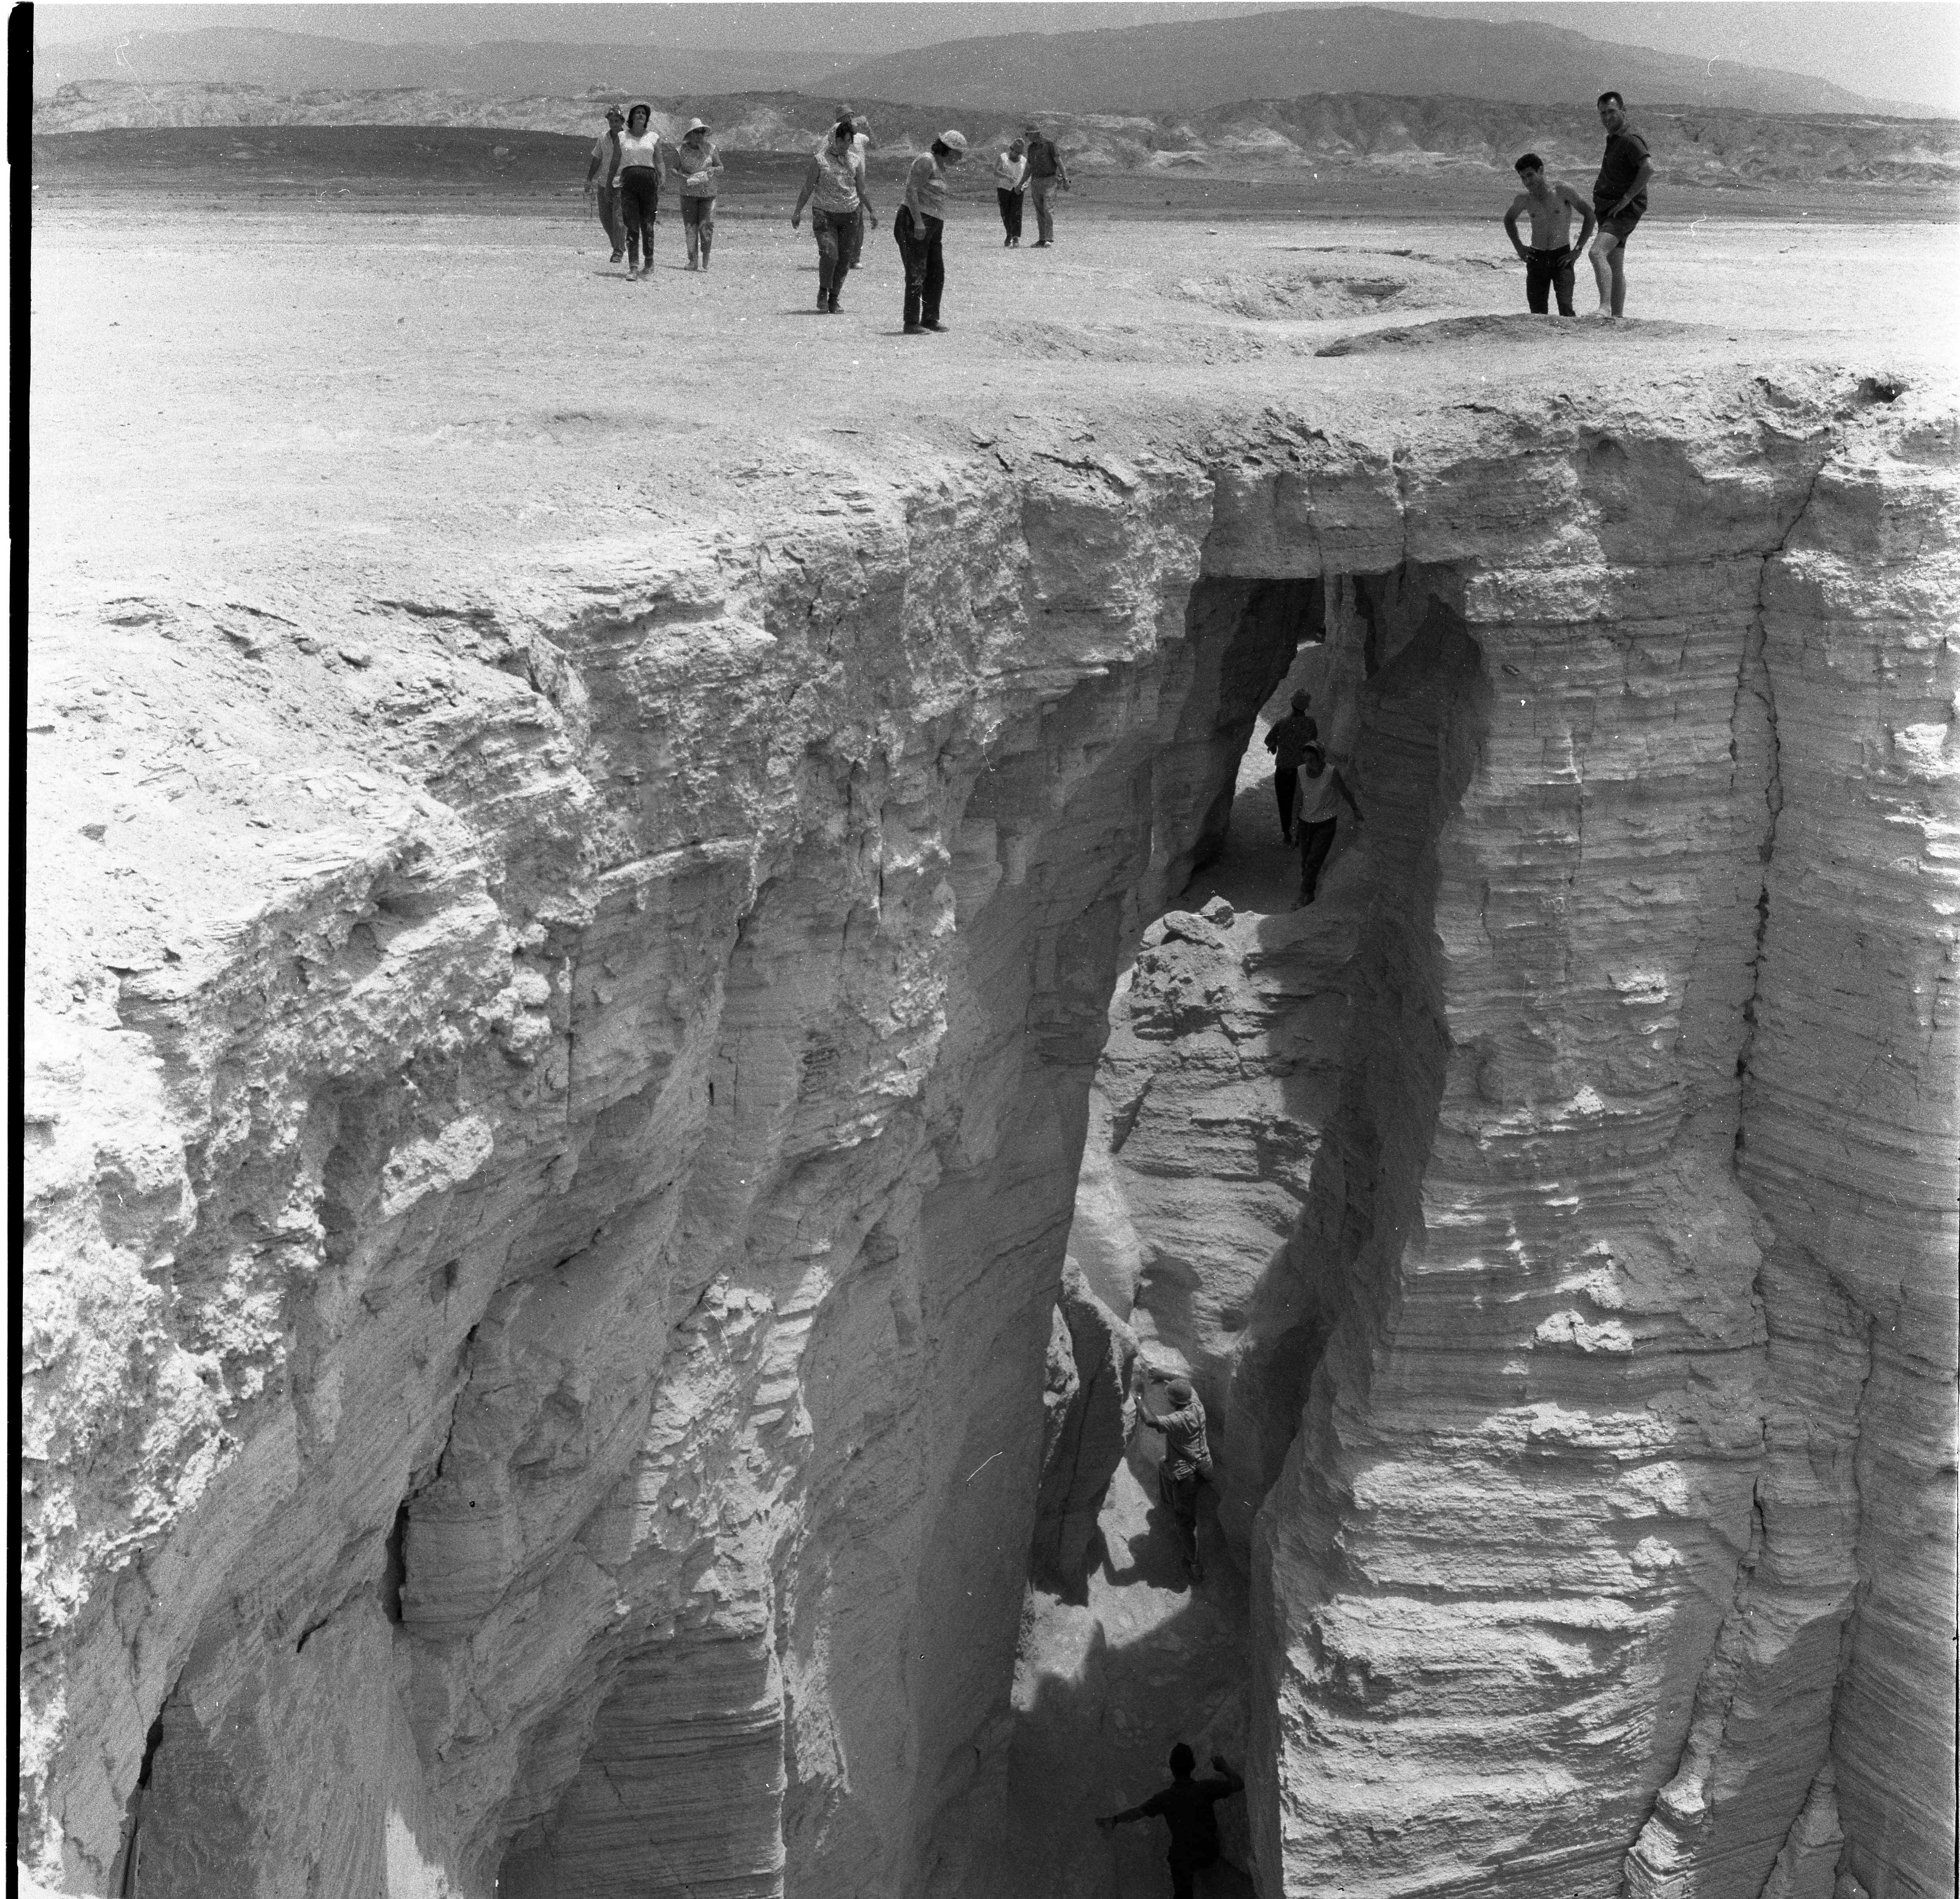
(605, 156)
(925, 187)
(1315, 801)
(1009, 171)
(644, 151)
(840, 178)
(700, 168)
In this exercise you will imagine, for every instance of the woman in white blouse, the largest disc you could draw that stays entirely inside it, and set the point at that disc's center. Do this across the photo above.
(1010, 179)
(639, 182)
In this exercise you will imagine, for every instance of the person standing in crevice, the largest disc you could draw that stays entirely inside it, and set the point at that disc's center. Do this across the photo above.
(1186, 1463)
(1288, 741)
(1316, 813)
(1185, 1807)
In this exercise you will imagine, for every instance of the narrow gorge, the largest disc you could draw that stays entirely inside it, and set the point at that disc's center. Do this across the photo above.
(585, 1261)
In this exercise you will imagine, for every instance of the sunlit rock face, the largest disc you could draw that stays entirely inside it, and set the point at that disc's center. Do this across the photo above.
(542, 1371)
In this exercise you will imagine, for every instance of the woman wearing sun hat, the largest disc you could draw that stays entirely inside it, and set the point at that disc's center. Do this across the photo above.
(699, 165)
(919, 227)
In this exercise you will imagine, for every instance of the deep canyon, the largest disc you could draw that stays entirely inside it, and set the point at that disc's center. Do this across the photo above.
(603, 1138)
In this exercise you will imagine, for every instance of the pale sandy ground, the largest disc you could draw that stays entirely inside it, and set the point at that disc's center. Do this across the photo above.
(305, 414)
(379, 394)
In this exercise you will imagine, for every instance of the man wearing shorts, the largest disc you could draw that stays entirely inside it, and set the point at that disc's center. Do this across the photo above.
(1548, 257)
(1619, 198)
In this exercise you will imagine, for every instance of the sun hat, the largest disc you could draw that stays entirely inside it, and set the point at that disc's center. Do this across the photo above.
(695, 124)
(1180, 1392)
(953, 140)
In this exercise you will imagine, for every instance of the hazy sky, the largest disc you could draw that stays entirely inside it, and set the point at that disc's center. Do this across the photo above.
(1901, 49)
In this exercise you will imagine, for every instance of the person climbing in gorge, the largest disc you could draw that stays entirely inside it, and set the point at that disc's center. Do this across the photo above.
(1288, 741)
(1316, 813)
(1186, 1463)
(1185, 1807)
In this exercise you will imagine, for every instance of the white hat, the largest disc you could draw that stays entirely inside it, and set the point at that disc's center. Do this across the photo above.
(953, 140)
(695, 124)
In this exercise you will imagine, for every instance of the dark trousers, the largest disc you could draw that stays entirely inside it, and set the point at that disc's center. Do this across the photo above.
(1286, 777)
(1011, 212)
(1545, 271)
(639, 202)
(833, 230)
(609, 216)
(1184, 1874)
(857, 239)
(1316, 841)
(697, 217)
(1043, 189)
(1178, 1495)
(925, 268)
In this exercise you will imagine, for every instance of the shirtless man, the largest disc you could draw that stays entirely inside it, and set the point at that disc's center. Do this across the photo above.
(1620, 198)
(1548, 259)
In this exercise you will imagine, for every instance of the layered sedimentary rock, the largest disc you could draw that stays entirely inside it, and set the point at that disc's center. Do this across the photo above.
(541, 1289)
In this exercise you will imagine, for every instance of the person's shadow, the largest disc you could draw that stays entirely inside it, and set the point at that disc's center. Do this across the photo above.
(1157, 1555)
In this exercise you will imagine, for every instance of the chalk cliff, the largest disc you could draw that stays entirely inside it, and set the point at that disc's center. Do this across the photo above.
(547, 1194)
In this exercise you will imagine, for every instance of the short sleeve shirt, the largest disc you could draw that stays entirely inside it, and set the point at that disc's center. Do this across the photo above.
(1184, 1806)
(1290, 738)
(1625, 149)
(605, 151)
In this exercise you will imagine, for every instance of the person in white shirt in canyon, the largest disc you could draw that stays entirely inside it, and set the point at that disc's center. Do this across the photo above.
(1316, 811)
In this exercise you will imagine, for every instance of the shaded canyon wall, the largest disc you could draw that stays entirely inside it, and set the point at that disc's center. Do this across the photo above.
(537, 1311)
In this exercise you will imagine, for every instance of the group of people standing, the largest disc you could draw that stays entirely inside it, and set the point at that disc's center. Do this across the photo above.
(628, 161)
(1031, 167)
(1619, 200)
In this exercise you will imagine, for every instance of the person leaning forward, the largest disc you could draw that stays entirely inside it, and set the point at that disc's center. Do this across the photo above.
(1185, 1807)
(1316, 814)
(1186, 1463)
(1548, 257)
(919, 228)
(1046, 174)
(601, 179)
(1619, 202)
(835, 188)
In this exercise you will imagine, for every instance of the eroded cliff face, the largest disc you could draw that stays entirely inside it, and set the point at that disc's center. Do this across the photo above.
(541, 1292)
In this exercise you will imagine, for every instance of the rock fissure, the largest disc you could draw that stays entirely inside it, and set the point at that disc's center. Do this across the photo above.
(1439, 1189)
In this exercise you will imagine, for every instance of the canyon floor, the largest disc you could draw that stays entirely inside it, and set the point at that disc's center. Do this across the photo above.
(315, 412)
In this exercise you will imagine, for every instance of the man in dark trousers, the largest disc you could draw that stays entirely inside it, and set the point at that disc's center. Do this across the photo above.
(1288, 741)
(1045, 174)
(1619, 199)
(1186, 1463)
(1184, 1806)
(1548, 259)
(1314, 814)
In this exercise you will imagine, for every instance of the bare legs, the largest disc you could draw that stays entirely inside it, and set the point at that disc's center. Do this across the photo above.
(1609, 271)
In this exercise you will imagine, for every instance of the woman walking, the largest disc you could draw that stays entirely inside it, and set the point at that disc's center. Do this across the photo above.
(1010, 175)
(639, 182)
(918, 227)
(699, 165)
(835, 179)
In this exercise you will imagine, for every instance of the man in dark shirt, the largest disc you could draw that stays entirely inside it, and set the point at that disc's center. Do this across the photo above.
(1619, 197)
(1288, 741)
(1184, 1806)
(1045, 173)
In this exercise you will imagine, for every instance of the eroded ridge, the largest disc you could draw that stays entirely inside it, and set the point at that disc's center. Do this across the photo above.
(539, 1294)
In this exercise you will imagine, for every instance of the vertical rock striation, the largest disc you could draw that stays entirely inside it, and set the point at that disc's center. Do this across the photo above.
(539, 1300)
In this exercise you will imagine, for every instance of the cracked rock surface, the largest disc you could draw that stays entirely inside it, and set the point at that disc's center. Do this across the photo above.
(560, 1051)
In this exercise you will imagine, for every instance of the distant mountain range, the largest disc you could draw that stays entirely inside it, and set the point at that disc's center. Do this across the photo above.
(1256, 140)
(1175, 65)
(1196, 64)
